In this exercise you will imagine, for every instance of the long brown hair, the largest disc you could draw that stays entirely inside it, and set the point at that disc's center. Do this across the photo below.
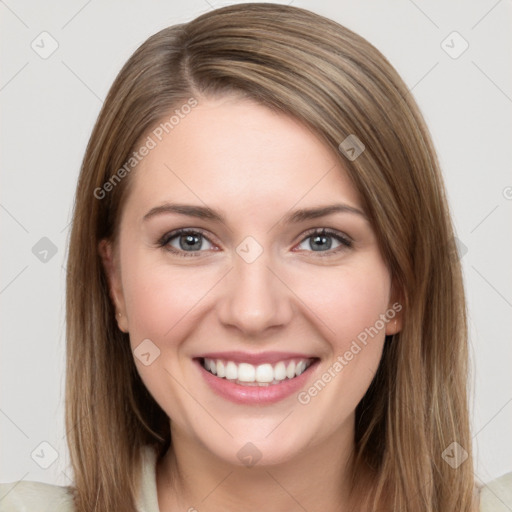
(338, 84)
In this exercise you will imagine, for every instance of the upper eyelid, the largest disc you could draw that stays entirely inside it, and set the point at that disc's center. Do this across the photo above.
(180, 231)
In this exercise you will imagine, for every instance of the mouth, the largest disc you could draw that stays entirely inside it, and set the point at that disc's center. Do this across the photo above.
(246, 379)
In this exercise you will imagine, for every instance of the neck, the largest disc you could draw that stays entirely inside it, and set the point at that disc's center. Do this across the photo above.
(189, 477)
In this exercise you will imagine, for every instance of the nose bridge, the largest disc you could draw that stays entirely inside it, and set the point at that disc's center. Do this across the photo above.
(254, 299)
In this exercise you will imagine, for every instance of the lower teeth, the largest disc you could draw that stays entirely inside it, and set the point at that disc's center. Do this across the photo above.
(240, 383)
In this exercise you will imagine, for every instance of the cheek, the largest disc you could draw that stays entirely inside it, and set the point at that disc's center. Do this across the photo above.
(351, 303)
(162, 305)
(160, 300)
(347, 300)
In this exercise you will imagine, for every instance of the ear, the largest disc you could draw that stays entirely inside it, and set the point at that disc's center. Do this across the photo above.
(396, 306)
(113, 273)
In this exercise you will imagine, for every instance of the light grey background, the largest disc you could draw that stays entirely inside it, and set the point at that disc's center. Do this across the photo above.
(49, 106)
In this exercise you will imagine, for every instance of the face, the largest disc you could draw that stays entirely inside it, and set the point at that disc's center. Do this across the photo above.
(286, 308)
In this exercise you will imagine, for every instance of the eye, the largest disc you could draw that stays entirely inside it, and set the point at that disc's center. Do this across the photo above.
(321, 240)
(191, 242)
(185, 242)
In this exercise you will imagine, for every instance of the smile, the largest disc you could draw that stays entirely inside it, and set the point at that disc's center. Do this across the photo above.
(246, 374)
(256, 379)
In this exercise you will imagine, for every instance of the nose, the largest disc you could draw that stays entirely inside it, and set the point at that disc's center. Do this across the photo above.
(254, 297)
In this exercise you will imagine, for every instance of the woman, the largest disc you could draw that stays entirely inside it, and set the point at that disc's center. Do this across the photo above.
(263, 307)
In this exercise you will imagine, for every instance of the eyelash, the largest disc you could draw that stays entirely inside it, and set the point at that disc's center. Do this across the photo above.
(163, 242)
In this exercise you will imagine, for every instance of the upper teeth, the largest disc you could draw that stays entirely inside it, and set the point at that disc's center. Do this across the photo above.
(264, 373)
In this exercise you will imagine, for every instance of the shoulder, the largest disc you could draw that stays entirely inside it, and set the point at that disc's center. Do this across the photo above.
(29, 496)
(496, 496)
(24, 496)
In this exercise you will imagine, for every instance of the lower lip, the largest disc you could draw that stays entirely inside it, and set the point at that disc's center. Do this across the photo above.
(253, 395)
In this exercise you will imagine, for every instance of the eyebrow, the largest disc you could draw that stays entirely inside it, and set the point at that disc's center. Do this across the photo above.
(203, 212)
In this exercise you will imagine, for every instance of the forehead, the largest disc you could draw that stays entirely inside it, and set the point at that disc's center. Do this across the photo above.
(230, 151)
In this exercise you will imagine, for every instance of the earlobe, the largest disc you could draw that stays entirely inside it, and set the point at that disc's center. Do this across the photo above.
(394, 326)
(111, 268)
(395, 311)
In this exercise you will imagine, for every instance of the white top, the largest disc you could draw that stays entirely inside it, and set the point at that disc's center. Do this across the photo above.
(21, 496)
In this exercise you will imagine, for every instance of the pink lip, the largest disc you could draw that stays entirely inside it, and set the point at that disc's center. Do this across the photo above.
(259, 358)
(255, 395)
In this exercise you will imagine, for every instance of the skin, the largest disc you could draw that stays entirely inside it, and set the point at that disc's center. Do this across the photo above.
(254, 166)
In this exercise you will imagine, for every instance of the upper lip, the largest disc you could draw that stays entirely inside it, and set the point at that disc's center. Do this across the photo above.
(255, 358)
